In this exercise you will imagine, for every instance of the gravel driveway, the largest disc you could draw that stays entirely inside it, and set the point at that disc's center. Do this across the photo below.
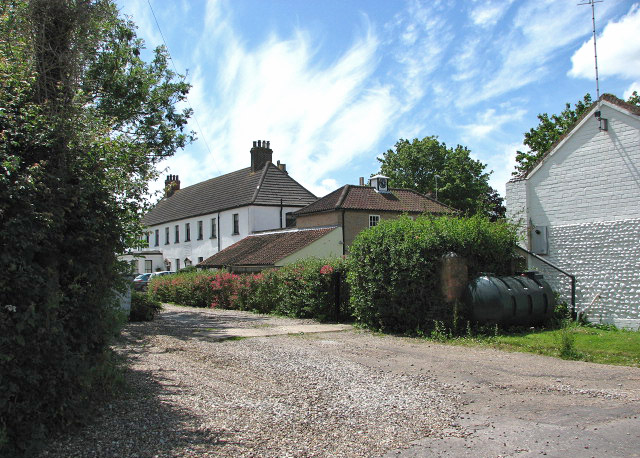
(227, 383)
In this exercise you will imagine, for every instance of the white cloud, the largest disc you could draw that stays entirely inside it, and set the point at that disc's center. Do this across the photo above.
(318, 118)
(618, 50)
(491, 120)
(424, 35)
(488, 14)
(635, 86)
(503, 164)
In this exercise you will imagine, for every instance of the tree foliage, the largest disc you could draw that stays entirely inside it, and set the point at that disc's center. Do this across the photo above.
(548, 131)
(461, 180)
(83, 121)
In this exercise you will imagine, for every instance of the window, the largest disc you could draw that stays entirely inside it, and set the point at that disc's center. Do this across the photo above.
(157, 237)
(177, 265)
(200, 230)
(176, 239)
(147, 235)
(187, 232)
(166, 236)
(200, 259)
(374, 220)
(236, 224)
(214, 231)
(290, 219)
(147, 266)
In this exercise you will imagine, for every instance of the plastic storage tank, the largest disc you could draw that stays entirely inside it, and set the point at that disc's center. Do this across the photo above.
(520, 300)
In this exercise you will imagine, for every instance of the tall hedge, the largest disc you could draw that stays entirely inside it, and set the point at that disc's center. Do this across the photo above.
(83, 121)
(393, 268)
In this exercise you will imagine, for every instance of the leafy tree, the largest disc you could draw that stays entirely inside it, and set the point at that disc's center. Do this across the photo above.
(551, 128)
(83, 122)
(462, 181)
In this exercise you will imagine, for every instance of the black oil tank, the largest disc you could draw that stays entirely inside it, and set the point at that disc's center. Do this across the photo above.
(519, 300)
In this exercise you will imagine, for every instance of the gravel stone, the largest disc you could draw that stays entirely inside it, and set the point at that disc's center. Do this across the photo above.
(279, 396)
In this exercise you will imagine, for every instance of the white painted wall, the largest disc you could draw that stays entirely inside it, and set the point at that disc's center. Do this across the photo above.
(588, 194)
(251, 219)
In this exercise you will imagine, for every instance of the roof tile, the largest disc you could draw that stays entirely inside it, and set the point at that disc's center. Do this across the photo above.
(350, 197)
(232, 190)
(265, 249)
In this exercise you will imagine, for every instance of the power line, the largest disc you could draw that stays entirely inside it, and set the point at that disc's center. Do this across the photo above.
(186, 97)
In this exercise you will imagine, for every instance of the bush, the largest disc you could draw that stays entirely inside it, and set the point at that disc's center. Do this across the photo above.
(143, 307)
(305, 289)
(393, 268)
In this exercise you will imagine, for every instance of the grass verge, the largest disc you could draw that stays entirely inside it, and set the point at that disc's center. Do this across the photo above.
(576, 342)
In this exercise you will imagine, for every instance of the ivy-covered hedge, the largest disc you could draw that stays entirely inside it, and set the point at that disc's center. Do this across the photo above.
(393, 269)
(306, 289)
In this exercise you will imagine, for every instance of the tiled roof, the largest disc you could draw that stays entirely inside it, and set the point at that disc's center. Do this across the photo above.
(232, 190)
(633, 109)
(265, 249)
(350, 197)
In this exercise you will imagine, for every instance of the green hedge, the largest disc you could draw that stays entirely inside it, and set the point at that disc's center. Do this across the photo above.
(306, 289)
(143, 307)
(393, 269)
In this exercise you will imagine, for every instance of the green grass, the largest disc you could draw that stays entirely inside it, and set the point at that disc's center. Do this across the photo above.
(584, 343)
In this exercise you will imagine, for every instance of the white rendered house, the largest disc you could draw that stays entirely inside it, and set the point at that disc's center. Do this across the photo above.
(579, 208)
(191, 224)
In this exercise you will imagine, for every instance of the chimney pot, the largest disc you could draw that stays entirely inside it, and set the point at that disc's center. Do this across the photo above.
(361, 181)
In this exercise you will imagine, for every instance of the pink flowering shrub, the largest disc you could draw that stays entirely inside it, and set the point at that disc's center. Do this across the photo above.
(306, 289)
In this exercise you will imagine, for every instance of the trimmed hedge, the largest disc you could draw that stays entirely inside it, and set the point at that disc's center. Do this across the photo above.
(143, 307)
(306, 289)
(393, 269)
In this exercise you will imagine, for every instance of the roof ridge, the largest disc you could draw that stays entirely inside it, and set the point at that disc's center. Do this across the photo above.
(259, 187)
(593, 107)
(343, 195)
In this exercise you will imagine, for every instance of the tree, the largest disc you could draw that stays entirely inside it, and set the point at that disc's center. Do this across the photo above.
(83, 122)
(551, 128)
(461, 181)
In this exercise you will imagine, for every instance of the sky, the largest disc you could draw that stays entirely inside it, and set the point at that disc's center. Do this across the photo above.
(334, 84)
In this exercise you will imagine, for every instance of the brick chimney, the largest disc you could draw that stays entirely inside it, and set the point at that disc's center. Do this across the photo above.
(261, 153)
(171, 185)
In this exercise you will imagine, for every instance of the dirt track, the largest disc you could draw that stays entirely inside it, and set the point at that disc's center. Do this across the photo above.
(350, 393)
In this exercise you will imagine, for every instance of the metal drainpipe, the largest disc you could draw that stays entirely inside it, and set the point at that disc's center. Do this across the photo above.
(218, 229)
(344, 249)
(574, 315)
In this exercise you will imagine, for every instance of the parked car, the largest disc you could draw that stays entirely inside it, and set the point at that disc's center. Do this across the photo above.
(141, 282)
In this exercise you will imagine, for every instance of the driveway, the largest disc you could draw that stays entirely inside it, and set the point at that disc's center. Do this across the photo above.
(227, 383)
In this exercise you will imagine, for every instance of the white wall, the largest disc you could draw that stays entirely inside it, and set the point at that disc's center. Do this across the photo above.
(251, 219)
(263, 218)
(588, 194)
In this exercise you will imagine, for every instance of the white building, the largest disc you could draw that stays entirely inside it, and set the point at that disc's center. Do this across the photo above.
(191, 224)
(579, 208)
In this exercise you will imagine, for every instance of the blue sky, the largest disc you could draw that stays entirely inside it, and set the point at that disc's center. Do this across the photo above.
(333, 84)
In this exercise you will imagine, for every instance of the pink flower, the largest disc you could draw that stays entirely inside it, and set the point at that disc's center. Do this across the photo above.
(326, 269)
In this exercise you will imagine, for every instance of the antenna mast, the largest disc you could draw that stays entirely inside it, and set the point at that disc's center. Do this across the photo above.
(595, 49)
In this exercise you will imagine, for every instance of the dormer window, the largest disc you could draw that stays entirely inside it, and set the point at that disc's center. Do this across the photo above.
(380, 183)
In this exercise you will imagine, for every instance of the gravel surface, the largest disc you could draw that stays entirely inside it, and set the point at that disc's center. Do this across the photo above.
(277, 396)
(349, 394)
